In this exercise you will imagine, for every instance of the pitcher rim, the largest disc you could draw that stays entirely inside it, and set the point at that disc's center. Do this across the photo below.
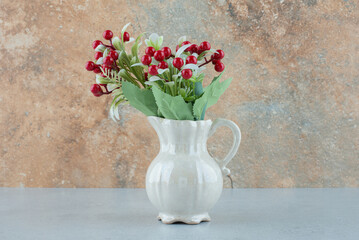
(155, 117)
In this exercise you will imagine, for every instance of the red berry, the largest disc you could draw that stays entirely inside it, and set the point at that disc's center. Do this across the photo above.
(193, 48)
(146, 76)
(186, 73)
(98, 55)
(150, 51)
(97, 69)
(205, 46)
(178, 62)
(108, 60)
(163, 65)
(185, 43)
(90, 66)
(177, 47)
(218, 55)
(167, 51)
(219, 67)
(96, 90)
(108, 34)
(153, 70)
(113, 54)
(191, 59)
(96, 43)
(159, 56)
(146, 60)
(126, 37)
(214, 61)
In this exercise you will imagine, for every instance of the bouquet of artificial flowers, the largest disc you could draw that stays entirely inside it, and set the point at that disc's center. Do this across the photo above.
(162, 82)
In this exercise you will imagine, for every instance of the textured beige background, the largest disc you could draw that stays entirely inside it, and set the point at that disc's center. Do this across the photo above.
(295, 91)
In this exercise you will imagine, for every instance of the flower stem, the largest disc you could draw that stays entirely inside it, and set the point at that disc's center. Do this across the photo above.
(109, 92)
(206, 62)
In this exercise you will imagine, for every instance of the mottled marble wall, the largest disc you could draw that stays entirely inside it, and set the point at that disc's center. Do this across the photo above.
(295, 91)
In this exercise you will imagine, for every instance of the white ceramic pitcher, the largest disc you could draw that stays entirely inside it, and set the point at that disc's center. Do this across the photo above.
(184, 182)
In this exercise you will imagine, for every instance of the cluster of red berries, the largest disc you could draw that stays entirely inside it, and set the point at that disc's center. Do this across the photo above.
(216, 60)
(108, 63)
(159, 55)
(165, 53)
(194, 48)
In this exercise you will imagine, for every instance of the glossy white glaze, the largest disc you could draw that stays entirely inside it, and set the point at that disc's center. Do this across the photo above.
(184, 182)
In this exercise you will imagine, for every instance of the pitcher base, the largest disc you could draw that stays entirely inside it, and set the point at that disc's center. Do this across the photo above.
(193, 219)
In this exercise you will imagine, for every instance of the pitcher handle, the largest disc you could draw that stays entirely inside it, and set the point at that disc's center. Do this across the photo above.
(236, 141)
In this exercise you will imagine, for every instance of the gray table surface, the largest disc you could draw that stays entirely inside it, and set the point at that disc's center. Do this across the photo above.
(127, 214)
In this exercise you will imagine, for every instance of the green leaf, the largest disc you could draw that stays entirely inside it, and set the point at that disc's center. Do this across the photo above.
(127, 76)
(159, 43)
(170, 88)
(154, 37)
(198, 88)
(116, 42)
(134, 49)
(154, 41)
(103, 80)
(181, 50)
(172, 107)
(210, 96)
(203, 112)
(99, 61)
(201, 56)
(123, 31)
(190, 98)
(125, 27)
(148, 43)
(218, 77)
(141, 99)
(117, 100)
(100, 48)
(123, 73)
(105, 53)
(182, 92)
(181, 40)
(200, 77)
(133, 61)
